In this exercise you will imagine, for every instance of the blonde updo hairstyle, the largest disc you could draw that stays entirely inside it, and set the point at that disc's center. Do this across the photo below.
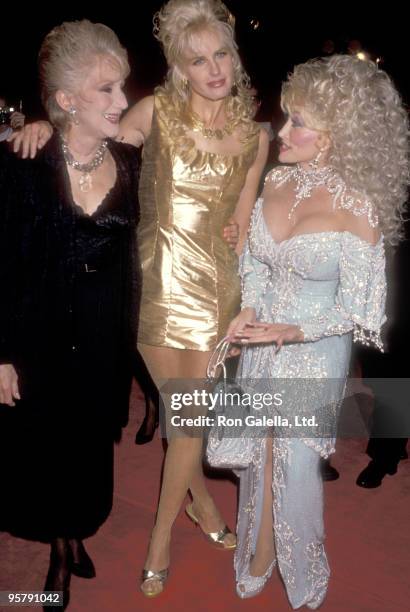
(358, 105)
(176, 26)
(65, 58)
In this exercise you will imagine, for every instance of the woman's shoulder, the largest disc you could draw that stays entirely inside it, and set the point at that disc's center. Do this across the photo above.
(250, 134)
(279, 175)
(161, 100)
(357, 212)
(135, 126)
(359, 228)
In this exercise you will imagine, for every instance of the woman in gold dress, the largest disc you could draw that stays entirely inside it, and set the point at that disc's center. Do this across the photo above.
(202, 161)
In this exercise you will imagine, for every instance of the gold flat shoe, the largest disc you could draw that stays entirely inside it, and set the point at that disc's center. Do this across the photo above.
(214, 537)
(150, 576)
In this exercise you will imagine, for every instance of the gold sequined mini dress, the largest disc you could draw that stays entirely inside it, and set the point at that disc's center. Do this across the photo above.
(191, 288)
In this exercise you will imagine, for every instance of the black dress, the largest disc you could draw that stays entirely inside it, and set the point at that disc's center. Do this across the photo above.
(68, 324)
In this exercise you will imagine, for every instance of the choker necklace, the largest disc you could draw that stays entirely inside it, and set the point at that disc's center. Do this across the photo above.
(196, 124)
(85, 181)
(307, 180)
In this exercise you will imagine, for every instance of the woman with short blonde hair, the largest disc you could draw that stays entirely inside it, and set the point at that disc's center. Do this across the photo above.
(68, 321)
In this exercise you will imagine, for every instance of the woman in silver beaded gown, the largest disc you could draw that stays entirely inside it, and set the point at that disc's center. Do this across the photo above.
(313, 280)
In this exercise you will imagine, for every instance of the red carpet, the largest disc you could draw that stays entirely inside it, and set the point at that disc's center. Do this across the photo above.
(367, 543)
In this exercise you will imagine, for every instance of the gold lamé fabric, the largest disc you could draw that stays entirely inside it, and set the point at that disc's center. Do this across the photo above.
(191, 288)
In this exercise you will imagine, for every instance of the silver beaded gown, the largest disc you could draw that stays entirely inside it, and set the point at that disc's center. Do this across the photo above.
(331, 284)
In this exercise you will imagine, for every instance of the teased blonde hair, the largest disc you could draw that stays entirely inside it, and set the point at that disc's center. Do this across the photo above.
(177, 25)
(359, 106)
(64, 60)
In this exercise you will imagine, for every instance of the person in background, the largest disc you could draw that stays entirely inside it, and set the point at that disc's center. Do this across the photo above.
(10, 120)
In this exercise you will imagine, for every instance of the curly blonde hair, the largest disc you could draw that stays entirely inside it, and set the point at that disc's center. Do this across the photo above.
(358, 104)
(176, 26)
(64, 60)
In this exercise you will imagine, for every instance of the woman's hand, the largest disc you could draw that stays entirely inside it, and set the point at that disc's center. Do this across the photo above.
(231, 233)
(264, 333)
(31, 138)
(9, 390)
(245, 317)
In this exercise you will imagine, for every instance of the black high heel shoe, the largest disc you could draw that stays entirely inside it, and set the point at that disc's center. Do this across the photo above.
(82, 564)
(59, 575)
(150, 423)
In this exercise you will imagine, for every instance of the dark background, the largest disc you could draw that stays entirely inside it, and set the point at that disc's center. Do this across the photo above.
(288, 33)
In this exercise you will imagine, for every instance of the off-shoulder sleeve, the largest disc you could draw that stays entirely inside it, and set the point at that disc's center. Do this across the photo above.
(361, 296)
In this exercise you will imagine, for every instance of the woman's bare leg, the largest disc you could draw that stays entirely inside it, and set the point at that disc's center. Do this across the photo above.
(183, 461)
(265, 547)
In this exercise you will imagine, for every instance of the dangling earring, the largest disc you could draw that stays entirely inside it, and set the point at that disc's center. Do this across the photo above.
(234, 90)
(73, 115)
(185, 85)
(314, 164)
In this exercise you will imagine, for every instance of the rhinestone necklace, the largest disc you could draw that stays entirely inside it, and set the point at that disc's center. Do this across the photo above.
(85, 181)
(307, 180)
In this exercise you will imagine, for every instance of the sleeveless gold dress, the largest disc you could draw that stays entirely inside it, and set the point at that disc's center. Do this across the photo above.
(191, 288)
